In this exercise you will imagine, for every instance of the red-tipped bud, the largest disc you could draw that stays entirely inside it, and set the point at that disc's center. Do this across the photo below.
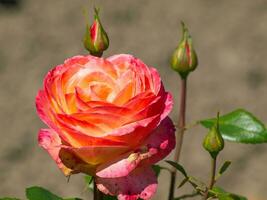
(184, 59)
(96, 39)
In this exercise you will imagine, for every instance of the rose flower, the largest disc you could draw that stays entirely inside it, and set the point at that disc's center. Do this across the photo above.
(107, 118)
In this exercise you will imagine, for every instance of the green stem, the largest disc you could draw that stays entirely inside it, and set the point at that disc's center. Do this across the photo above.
(97, 54)
(212, 177)
(185, 196)
(97, 194)
(181, 129)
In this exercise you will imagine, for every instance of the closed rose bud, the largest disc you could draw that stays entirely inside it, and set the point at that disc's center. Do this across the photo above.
(213, 142)
(184, 59)
(96, 39)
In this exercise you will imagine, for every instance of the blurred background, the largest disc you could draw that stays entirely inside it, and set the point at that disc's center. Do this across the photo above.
(231, 42)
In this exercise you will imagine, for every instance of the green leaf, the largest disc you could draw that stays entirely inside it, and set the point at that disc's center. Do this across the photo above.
(221, 194)
(8, 198)
(38, 193)
(239, 126)
(178, 167)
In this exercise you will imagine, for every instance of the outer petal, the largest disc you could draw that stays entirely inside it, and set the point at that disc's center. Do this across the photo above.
(161, 141)
(43, 108)
(51, 142)
(67, 161)
(140, 183)
(168, 106)
(156, 147)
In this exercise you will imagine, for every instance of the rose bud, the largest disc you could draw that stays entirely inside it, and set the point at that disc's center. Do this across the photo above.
(184, 59)
(107, 118)
(213, 142)
(96, 39)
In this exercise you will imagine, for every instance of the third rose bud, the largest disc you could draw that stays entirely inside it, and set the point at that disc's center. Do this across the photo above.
(213, 141)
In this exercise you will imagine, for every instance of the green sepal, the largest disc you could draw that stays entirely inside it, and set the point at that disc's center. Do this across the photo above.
(157, 169)
(179, 167)
(89, 182)
(197, 184)
(184, 181)
(223, 168)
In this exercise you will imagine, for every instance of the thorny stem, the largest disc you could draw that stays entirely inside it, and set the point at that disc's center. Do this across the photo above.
(212, 177)
(97, 194)
(181, 129)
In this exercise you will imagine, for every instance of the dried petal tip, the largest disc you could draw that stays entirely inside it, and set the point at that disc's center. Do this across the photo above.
(96, 39)
(213, 141)
(184, 59)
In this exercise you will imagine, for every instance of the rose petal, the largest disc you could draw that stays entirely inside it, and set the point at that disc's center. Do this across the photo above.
(161, 142)
(107, 121)
(79, 59)
(168, 106)
(87, 128)
(138, 129)
(43, 109)
(140, 183)
(124, 95)
(54, 88)
(126, 62)
(156, 80)
(119, 167)
(71, 103)
(50, 141)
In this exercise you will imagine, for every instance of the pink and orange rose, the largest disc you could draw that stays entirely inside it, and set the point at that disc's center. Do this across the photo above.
(107, 118)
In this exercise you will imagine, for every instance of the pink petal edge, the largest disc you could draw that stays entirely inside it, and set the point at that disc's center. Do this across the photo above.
(51, 142)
